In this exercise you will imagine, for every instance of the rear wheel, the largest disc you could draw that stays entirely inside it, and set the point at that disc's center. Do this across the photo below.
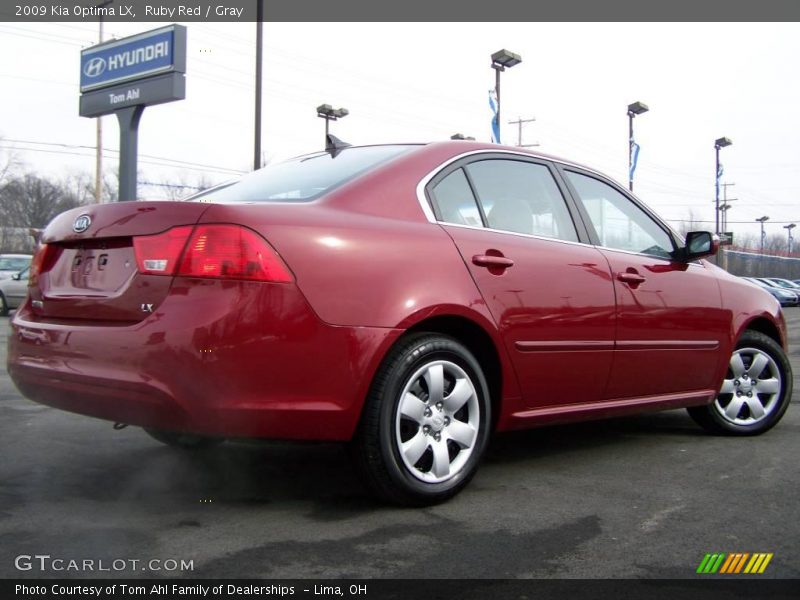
(178, 439)
(756, 390)
(425, 423)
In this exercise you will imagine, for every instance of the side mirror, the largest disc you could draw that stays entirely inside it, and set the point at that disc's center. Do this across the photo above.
(699, 244)
(15, 277)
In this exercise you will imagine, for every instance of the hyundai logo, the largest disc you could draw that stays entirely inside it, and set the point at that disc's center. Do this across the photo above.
(81, 224)
(95, 67)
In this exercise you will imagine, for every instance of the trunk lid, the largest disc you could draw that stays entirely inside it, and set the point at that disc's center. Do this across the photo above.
(90, 270)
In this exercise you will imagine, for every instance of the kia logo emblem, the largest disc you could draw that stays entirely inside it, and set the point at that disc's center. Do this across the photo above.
(95, 67)
(81, 224)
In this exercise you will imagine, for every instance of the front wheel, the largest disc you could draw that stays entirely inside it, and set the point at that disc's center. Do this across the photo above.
(425, 423)
(756, 390)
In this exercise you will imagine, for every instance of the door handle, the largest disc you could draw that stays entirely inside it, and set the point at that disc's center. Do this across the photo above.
(631, 278)
(497, 262)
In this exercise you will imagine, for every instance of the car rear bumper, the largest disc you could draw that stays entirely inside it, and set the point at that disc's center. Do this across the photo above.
(233, 359)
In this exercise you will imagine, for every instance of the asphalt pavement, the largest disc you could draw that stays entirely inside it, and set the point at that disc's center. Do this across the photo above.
(642, 497)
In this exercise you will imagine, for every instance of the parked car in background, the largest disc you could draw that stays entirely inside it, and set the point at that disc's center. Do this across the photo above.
(784, 283)
(785, 296)
(406, 299)
(13, 291)
(13, 263)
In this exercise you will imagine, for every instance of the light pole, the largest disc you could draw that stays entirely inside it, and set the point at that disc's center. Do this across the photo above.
(327, 112)
(762, 220)
(637, 108)
(259, 60)
(790, 241)
(501, 60)
(720, 143)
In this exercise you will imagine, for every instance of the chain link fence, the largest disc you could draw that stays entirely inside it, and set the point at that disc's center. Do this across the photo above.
(754, 264)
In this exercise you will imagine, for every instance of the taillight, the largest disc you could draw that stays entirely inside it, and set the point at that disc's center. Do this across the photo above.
(159, 254)
(231, 252)
(43, 261)
(215, 251)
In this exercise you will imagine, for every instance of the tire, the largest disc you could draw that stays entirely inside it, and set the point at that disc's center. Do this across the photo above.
(3, 306)
(416, 446)
(187, 441)
(742, 406)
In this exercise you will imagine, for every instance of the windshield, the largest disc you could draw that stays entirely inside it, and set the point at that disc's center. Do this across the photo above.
(301, 179)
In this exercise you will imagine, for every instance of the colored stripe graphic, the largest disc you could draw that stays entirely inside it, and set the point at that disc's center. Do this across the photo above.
(734, 563)
(711, 563)
(758, 563)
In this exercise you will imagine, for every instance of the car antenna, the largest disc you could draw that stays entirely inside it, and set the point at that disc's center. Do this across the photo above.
(334, 145)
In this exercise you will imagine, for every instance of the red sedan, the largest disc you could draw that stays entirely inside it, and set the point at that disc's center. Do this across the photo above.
(407, 299)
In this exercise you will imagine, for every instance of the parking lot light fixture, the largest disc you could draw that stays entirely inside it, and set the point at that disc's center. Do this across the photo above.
(501, 60)
(722, 142)
(790, 240)
(637, 108)
(327, 112)
(763, 220)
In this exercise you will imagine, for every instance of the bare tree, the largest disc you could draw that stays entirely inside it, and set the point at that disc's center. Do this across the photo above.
(32, 201)
(690, 224)
(179, 187)
(9, 163)
(775, 243)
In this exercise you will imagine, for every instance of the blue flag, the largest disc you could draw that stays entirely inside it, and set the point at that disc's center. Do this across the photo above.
(495, 124)
(634, 158)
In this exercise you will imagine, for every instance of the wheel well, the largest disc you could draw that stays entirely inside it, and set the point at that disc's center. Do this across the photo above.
(478, 342)
(766, 327)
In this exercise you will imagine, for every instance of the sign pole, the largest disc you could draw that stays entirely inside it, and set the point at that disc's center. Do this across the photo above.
(128, 144)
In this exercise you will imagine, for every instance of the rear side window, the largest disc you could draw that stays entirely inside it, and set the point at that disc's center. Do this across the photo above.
(521, 197)
(302, 179)
(454, 201)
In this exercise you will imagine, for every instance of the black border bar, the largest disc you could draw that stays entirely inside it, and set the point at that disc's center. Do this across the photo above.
(408, 10)
(702, 587)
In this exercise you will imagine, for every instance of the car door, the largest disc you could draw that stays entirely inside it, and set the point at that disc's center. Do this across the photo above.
(671, 326)
(550, 295)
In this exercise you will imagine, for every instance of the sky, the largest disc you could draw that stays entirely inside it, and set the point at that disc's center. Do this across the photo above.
(420, 82)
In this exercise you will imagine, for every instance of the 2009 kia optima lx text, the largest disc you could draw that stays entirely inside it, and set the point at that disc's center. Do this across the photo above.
(408, 299)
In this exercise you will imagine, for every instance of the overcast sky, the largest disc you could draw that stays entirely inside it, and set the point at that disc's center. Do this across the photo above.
(422, 82)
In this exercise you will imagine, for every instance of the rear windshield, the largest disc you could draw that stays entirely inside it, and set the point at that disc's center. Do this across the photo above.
(301, 179)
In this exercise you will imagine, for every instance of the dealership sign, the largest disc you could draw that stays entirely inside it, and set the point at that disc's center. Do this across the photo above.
(144, 55)
(123, 76)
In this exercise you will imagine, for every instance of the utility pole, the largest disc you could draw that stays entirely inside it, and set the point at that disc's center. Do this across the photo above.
(98, 167)
(519, 122)
(725, 200)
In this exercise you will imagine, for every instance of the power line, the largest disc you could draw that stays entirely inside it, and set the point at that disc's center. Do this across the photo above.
(157, 162)
(85, 147)
(729, 222)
